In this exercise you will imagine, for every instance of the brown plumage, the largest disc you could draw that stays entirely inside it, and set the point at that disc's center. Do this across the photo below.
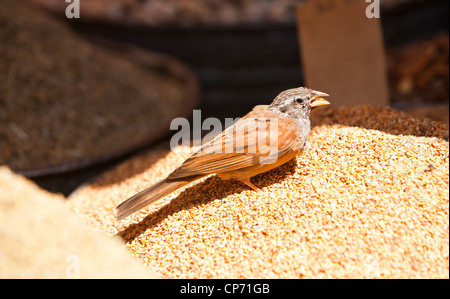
(265, 138)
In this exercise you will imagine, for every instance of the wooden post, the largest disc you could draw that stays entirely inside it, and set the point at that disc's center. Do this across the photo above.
(342, 50)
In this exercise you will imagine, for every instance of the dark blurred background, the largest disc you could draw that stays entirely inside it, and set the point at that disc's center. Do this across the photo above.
(242, 63)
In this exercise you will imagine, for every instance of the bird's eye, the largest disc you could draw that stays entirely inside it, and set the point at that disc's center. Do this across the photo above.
(300, 100)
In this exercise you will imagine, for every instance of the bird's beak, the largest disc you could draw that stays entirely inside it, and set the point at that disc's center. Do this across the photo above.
(317, 100)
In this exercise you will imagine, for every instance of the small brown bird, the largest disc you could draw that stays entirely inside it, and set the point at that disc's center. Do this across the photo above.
(267, 137)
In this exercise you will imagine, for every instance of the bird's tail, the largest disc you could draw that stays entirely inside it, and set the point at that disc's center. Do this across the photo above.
(146, 197)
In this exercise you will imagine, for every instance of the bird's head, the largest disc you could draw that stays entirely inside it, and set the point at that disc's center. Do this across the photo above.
(298, 102)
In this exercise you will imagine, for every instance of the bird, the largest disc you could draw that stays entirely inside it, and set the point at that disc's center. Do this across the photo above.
(238, 152)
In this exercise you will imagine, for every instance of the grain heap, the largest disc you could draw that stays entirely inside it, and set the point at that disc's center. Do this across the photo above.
(41, 238)
(368, 198)
(191, 12)
(419, 77)
(63, 100)
(418, 71)
(180, 12)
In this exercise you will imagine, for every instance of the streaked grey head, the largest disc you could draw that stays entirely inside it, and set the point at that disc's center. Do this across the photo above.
(298, 102)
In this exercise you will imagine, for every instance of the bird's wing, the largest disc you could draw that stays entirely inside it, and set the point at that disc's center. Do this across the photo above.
(257, 138)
